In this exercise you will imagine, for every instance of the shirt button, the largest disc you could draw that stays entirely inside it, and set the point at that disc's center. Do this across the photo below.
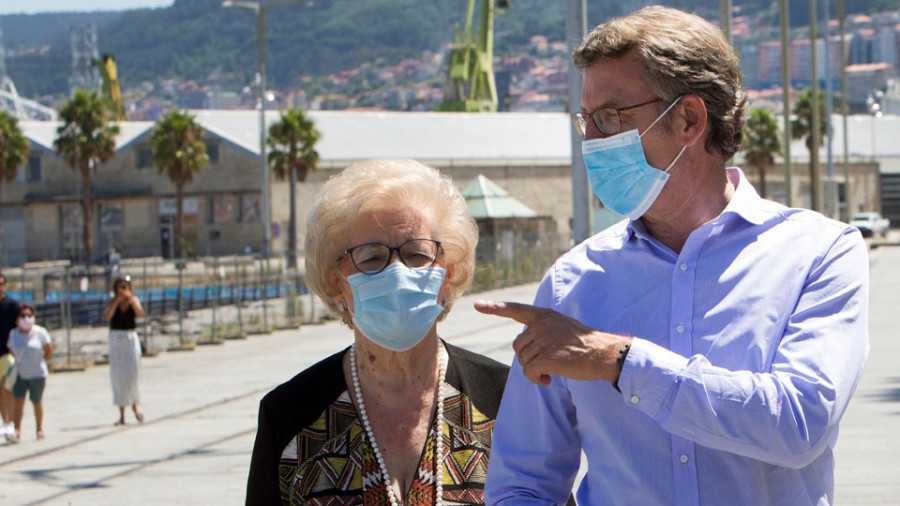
(683, 459)
(680, 329)
(635, 399)
(683, 266)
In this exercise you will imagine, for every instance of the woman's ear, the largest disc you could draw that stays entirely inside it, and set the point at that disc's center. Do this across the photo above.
(444, 294)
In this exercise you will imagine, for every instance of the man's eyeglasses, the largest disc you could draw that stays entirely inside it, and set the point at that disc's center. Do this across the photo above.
(373, 257)
(606, 120)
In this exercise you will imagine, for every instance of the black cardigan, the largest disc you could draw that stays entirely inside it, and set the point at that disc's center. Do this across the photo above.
(293, 405)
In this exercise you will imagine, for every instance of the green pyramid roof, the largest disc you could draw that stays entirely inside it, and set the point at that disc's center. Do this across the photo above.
(487, 200)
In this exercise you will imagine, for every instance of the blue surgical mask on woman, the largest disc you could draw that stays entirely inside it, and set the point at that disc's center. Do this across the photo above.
(619, 173)
(397, 307)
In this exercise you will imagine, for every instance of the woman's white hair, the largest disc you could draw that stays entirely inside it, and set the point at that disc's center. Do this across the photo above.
(387, 184)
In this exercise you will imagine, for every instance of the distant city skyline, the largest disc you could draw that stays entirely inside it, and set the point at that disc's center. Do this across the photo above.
(44, 6)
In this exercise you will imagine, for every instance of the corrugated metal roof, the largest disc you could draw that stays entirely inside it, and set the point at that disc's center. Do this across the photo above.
(868, 137)
(43, 133)
(449, 139)
(430, 137)
(488, 200)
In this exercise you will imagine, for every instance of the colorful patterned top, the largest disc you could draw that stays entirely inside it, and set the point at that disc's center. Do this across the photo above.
(311, 447)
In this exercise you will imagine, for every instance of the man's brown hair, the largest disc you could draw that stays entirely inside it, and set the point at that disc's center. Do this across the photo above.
(684, 55)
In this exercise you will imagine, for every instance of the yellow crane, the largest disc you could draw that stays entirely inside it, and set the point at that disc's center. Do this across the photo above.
(470, 82)
(111, 92)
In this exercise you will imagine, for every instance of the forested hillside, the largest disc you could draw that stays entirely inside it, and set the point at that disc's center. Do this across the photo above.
(194, 39)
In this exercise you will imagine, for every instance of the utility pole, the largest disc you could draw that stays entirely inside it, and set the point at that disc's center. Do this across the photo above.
(815, 186)
(725, 18)
(848, 194)
(576, 29)
(830, 184)
(2, 58)
(259, 9)
(786, 101)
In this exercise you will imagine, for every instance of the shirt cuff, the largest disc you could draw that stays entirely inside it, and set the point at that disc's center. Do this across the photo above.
(649, 376)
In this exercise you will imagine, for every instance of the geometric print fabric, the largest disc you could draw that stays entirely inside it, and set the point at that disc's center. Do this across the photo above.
(331, 462)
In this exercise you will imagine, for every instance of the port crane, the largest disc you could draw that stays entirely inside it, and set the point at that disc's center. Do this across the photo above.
(111, 91)
(470, 83)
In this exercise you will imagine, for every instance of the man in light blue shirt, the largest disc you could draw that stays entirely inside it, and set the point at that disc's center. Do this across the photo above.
(703, 351)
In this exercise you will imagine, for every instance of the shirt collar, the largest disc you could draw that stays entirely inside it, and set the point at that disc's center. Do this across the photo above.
(743, 204)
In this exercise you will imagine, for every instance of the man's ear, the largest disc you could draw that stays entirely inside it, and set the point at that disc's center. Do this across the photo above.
(692, 119)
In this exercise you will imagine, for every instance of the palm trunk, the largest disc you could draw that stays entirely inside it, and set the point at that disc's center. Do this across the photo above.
(813, 177)
(762, 180)
(1, 228)
(179, 215)
(292, 233)
(86, 211)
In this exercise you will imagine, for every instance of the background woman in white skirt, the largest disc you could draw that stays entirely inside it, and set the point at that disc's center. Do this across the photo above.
(124, 347)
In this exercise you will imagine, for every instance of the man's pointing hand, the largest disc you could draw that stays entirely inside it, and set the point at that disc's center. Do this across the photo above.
(553, 343)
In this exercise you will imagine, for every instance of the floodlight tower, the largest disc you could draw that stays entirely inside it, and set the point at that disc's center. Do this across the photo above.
(84, 53)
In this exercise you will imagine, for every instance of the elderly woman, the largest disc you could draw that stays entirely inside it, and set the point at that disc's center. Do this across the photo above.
(399, 417)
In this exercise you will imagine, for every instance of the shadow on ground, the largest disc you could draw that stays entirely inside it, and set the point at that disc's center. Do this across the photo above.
(889, 393)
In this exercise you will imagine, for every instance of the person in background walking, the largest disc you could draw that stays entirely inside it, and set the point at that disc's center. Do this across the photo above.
(124, 347)
(9, 310)
(33, 348)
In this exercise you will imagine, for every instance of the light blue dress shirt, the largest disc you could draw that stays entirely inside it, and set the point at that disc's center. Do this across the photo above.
(748, 346)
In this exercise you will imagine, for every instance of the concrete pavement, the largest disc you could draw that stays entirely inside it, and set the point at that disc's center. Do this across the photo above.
(200, 409)
(868, 449)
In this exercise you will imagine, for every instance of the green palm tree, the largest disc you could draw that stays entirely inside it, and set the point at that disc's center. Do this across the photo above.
(292, 154)
(762, 142)
(801, 128)
(178, 152)
(85, 140)
(14, 148)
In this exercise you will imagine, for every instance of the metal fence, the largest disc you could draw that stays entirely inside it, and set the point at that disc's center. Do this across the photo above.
(186, 303)
(214, 299)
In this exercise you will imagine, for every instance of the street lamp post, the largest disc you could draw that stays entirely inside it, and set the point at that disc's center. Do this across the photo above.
(582, 198)
(725, 19)
(786, 101)
(873, 102)
(259, 9)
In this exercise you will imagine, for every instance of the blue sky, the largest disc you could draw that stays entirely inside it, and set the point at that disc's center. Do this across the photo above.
(36, 6)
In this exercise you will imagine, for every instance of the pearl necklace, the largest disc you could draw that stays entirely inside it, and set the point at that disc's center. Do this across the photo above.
(438, 440)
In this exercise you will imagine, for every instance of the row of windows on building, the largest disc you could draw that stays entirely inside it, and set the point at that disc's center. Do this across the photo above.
(145, 156)
(31, 171)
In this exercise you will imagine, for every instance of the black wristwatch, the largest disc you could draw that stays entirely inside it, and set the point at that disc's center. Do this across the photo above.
(620, 360)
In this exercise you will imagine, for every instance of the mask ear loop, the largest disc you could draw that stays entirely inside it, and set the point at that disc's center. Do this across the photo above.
(660, 117)
(676, 159)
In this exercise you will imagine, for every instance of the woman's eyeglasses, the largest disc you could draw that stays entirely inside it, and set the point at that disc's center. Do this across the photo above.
(373, 257)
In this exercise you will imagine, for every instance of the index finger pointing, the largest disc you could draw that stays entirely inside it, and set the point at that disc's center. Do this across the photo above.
(522, 313)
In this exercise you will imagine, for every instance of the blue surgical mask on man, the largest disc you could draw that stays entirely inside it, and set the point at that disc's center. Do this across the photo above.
(397, 307)
(619, 173)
